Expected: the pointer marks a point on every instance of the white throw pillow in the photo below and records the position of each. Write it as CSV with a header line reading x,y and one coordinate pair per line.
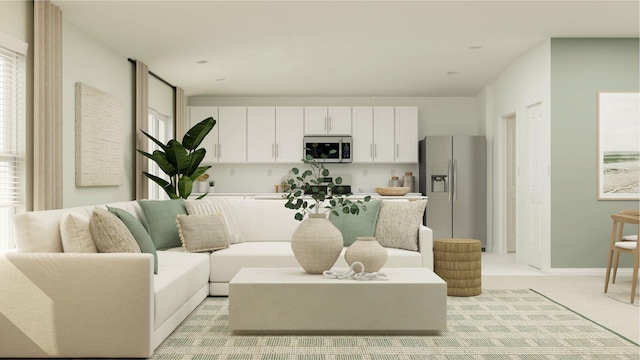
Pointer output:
x,y
398,224
200,233
75,234
218,206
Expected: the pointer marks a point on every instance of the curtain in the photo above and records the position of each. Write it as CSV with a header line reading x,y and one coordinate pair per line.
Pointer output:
x,y
179,113
142,123
47,107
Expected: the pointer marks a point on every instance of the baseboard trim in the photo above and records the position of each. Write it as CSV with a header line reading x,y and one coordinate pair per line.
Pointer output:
x,y
586,271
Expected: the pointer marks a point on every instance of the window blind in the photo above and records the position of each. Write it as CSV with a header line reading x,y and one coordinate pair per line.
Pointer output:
x,y
12,115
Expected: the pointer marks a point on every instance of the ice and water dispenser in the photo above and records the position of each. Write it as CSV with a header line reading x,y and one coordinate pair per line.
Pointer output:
x,y
439,180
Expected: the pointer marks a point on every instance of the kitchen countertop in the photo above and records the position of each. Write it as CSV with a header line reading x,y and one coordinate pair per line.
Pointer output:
x,y
277,196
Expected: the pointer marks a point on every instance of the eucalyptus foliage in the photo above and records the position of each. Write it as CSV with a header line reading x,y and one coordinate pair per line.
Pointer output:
x,y
306,192
181,160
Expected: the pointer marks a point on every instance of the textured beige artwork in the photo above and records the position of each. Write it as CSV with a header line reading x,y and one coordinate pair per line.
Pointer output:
x,y
99,157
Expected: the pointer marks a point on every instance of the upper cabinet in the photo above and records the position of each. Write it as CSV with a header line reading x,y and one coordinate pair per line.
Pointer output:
x,y
210,142
406,131
332,120
274,134
385,134
227,142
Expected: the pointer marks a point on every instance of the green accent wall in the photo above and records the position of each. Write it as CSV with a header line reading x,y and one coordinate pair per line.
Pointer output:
x,y
580,224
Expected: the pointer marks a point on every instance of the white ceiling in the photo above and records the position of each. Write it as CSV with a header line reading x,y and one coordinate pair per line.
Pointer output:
x,y
340,48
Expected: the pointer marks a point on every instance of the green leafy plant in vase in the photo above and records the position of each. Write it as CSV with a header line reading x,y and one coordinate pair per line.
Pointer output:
x,y
313,191
181,160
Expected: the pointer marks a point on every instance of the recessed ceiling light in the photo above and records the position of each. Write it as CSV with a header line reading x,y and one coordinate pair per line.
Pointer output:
x,y
474,47
202,61
452,73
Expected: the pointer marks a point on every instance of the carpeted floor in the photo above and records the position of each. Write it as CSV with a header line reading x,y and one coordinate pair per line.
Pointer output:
x,y
496,325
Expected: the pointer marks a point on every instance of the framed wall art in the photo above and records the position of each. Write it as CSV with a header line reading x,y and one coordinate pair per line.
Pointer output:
x,y
618,145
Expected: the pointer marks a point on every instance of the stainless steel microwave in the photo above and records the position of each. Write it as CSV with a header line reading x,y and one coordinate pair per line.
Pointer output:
x,y
330,149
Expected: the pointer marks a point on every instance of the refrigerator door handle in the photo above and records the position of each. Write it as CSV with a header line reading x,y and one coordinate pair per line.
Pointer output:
x,y
449,175
455,180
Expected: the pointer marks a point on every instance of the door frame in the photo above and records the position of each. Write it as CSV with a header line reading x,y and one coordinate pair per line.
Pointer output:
x,y
511,117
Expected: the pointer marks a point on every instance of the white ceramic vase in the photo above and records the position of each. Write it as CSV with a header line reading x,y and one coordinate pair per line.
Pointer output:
x,y
369,252
316,244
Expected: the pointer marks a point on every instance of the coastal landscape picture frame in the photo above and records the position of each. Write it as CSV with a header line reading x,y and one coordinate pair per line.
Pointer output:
x,y
618,145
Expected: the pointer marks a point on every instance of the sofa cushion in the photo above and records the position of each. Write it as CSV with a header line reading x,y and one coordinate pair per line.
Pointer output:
x,y
110,234
215,206
161,221
139,233
354,225
227,262
180,276
200,233
264,220
398,224
75,234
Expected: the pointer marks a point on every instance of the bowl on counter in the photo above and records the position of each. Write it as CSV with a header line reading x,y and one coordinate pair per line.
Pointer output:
x,y
393,191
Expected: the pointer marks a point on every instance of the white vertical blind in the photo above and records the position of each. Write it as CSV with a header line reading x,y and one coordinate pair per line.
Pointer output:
x,y
12,115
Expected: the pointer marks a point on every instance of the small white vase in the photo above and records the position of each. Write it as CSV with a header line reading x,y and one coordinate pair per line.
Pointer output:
x,y
369,252
316,244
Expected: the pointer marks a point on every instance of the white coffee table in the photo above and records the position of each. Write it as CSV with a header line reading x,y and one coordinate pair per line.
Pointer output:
x,y
288,300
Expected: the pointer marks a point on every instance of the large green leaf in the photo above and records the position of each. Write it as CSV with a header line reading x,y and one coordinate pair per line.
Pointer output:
x,y
196,158
160,158
162,146
199,171
178,156
164,184
197,133
185,186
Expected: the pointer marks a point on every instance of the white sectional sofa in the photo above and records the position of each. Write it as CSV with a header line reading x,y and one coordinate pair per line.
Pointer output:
x,y
83,305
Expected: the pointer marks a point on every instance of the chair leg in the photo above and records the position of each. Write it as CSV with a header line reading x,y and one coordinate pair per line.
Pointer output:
x,y
608,275
615,267
634,279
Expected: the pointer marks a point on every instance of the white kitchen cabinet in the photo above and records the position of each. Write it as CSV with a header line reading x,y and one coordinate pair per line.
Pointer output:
x,y
406,134
261,134
210,142
274,134
232,134
332,120
384,134
289,134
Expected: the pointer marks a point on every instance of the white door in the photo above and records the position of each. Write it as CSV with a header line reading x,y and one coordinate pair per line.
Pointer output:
x,y
362,121
510,180
406,134
210,143
315,120
261,134
289,133
383,134
537,174
232,127
339,120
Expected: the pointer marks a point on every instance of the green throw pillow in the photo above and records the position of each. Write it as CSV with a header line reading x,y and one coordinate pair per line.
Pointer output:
x,y
139,233
161,221
362,225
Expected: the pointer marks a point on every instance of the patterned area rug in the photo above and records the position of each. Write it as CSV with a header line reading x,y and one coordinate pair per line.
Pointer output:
x,y
496,325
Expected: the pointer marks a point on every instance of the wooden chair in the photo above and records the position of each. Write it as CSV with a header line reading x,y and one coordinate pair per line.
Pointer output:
x,y
617,246
632,212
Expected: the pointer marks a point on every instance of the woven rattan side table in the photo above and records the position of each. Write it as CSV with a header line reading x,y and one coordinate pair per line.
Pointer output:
x,y
458,262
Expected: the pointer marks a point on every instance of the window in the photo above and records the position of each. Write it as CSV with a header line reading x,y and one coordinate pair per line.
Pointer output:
x,y
12,119
161,128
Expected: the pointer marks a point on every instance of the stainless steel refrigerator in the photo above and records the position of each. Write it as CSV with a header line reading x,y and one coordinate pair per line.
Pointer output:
x,y
453,177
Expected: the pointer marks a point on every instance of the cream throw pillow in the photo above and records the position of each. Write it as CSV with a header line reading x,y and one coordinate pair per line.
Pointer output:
x,y
398,223
75,234
110,234
210,207
203,232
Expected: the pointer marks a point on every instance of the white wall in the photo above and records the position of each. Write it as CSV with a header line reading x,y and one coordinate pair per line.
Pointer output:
x,y
86,60
436,116
524,83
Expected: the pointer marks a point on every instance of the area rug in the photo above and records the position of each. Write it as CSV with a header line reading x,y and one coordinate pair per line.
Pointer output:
x,y
496,325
